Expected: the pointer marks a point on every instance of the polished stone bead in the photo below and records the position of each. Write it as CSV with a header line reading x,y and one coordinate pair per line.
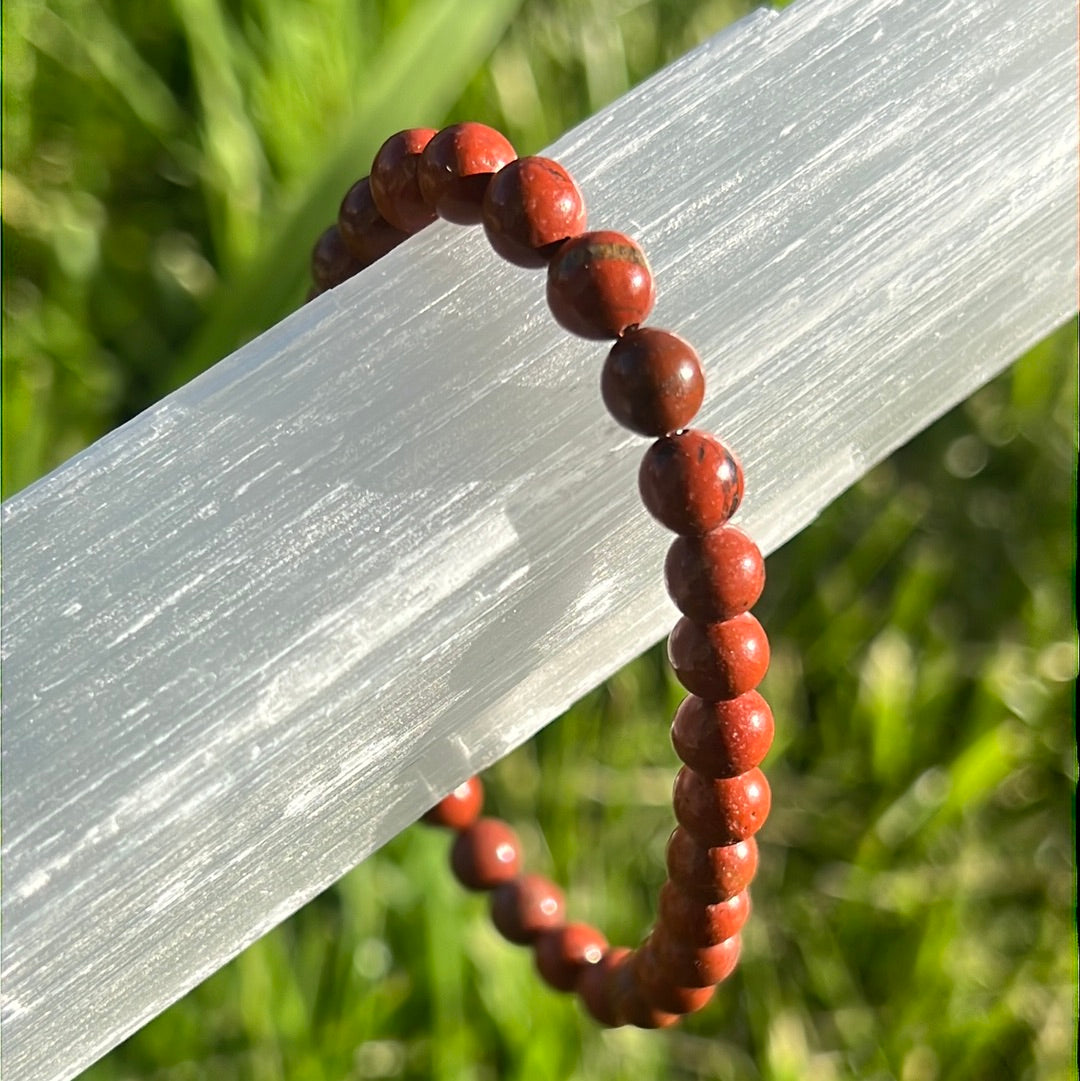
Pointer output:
x,y
457,166
367,234
716,576
697,922
718,661
461,808
721,811
688,965
525,907
594,986
530,207
664,993
394,185
599,284
652,382
714,873
725,738
332,262
562,954
690,482
486,854
631,1006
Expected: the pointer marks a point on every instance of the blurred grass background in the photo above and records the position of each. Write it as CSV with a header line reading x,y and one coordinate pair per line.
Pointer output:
x,y
166,167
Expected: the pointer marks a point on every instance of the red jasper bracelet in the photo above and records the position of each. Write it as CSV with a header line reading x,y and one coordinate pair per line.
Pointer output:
x,y
599,286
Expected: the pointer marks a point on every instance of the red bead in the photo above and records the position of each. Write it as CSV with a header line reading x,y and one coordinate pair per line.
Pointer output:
x,y
594,986
394,185
721,811
659,990
562,954
485,855
461,808
457,166
690,482
716,576
687,965
698,923
599,284
723,739
367,234
652,382
530,207
710,874
332,262
719,660
631,1006
526,907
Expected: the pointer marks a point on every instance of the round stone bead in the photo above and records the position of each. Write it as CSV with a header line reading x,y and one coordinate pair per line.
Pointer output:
x,y
526,907
461,808
530,207
687,965
716,576
394,185
723,739
594,986
631,1006
457,166
710,874
652,382
562,954
332,262
698,923
721,811
690,482
485,855
719,660
660,991
599,284
367,234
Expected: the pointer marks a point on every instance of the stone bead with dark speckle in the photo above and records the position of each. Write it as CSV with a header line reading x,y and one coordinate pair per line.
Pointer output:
x,y
485,855
599,285
526,907
723,739
714,873
690,482
718,661
530,207
716,576
687,965
457,166
660,990
721,811
394,184
562,954
697,922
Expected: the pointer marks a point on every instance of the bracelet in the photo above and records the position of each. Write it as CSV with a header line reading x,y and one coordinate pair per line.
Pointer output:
x,y
599,286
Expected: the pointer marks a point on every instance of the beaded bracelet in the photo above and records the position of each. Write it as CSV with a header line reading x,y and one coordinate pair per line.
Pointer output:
x,y
599,286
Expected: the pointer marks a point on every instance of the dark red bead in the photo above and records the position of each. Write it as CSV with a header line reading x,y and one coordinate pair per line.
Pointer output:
x,y
530,207
690,482
562,954
367,234
332,262
461,808
594,986
721,811
687,965
457,166
525,907
723,739
394,185
661,991
631,1006
485,855
710,874
719,660
716,576
599,284
698,923
652,382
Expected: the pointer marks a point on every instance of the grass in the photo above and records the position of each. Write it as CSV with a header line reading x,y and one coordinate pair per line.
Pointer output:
x,y
165,168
